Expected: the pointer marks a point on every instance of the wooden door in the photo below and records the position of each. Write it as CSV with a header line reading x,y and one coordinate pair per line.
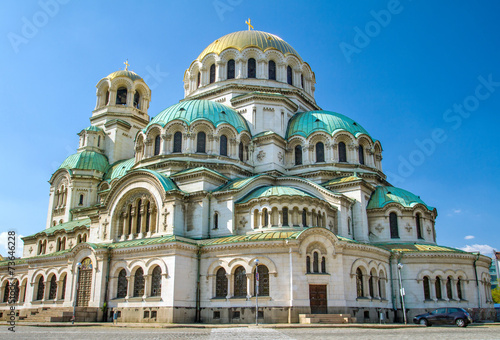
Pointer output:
x,y
318,299
84,283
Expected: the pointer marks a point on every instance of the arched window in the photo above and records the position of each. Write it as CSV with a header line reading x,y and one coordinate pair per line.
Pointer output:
x,y
53,288
223,145
58,244
251,68
212,73
156,282
221,283
63,293
122,284
216,221
266,217
148,216
272,70
342,152
308,264
419,226
157,145
263,280
230,69
80,202
315,262
302,80
449,293
84,238
459,289
304,217
241,151
198,81
320,152
359,283
323,264
201,142
361,154
121,96
137,100
177,142
6,292
240,282
439,296
139,217
41,288
139,283
284,220
289,75
393,222
298,155
107,97
15,286
129,220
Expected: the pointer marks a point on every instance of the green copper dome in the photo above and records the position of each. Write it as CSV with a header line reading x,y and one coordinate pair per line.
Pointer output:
x,y
273,191
190,111
385,195
119,169
305,123
93,128
86,160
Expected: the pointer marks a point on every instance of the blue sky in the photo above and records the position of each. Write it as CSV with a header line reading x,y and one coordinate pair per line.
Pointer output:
x,y
421,77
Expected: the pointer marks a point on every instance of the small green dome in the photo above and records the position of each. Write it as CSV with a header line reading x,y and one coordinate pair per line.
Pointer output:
x,y
270,191
123,73
305,123
119,169
190,111
93,128
86,160
385,195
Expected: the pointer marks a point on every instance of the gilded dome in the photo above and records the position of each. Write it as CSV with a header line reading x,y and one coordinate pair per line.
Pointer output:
x,y
243,39
124,73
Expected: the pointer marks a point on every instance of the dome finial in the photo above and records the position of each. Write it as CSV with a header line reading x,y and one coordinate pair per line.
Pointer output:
x,y
248,22
126,65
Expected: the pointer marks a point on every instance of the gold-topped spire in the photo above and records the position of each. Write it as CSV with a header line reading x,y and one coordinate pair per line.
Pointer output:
x,y
248,22
126,65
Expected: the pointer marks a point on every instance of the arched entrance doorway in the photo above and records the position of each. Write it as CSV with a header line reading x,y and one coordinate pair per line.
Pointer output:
x,y
84,283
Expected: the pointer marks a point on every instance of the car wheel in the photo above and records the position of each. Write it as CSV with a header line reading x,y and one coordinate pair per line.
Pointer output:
x,y
424,322
460,322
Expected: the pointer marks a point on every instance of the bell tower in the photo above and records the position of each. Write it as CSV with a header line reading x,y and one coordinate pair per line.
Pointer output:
x,y
121,111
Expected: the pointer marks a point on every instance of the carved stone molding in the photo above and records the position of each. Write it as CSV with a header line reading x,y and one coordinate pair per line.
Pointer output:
x,y
261,155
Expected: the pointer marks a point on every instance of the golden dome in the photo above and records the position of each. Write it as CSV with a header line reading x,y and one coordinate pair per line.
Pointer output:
x,y
250,38
124,73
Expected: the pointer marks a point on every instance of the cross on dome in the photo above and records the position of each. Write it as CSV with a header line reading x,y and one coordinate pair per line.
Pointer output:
x,y
126,65
248,22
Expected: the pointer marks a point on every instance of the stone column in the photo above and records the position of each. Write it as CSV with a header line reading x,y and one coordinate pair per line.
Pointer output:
x,y
260,219
219,70
281,72
147,285
112,97
204,76
366,286
130,287
376,292
130,97
454,291
432,287
249,285
280,218
229,286
239,68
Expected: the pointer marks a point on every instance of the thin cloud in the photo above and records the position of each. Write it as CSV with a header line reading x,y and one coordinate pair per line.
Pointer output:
x,y
469,237
481,248
4,244
457,211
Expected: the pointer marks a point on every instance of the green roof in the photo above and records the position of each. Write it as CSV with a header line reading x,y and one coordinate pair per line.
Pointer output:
x,y
198,169
150,241
385,195
93,128
238,183
67,227
86,160
119,169
340,180
165,181
269,191
416,247
305,123
190,111
270,236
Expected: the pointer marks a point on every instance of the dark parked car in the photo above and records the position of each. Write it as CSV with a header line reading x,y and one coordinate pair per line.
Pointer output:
x,y
444,316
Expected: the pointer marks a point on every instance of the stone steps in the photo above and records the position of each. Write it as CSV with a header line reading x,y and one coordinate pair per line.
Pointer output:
x,y
326,318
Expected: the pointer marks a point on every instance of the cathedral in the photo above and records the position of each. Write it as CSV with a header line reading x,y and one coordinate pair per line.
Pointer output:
x,y
244,192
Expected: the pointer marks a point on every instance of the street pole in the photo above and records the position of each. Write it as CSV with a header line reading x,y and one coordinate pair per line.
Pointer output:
x,y
402,292
256,292
78,265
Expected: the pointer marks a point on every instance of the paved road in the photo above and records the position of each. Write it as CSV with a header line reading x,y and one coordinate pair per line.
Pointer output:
x,y
89,333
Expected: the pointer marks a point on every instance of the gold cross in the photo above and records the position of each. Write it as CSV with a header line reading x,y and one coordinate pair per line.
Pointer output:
x,y
248,22
126,65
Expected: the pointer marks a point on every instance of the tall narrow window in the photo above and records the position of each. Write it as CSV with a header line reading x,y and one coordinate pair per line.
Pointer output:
x,y
212,73
230,69
139,217
198,79
361,153
98,141
137,100
323,264
121,96
315,262
298,155
241,151
308,264
252,69
263,280
156,282
53,288
393,222
240,282
216,221
6,292
139,283
201,142
342,152
107,97
221,283
223,145
419,226
320,152
41,288
284,220
302,80
272,70
289,75
359,283
266,217
304,217
177,142
439,296
122,284
129,221
148,216
157,145
449,293
63,292
370,285
459,289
